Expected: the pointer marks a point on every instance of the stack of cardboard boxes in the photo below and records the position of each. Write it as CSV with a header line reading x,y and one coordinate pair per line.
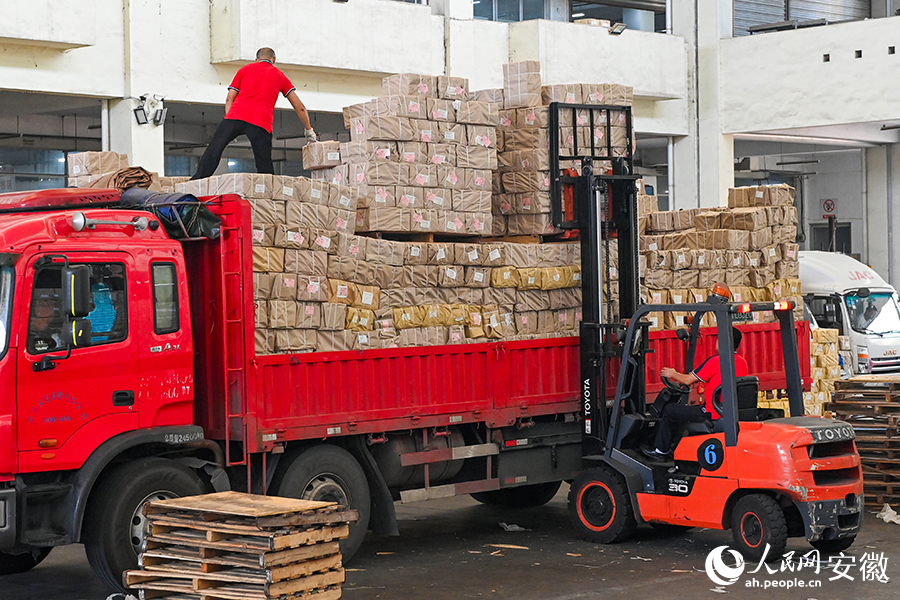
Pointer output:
x,y
749,246
420,157
825,370
87,167
522,182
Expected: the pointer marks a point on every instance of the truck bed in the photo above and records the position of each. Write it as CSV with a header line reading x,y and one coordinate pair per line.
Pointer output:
x,y
278,398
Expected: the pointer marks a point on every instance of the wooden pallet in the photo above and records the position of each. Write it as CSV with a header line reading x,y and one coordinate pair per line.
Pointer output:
x,y
232,546
864,406
869,382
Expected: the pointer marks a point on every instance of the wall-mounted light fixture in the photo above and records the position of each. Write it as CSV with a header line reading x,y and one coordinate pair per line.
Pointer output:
x,y
140,113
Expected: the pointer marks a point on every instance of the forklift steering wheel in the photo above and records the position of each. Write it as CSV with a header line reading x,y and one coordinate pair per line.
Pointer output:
x,y
674,386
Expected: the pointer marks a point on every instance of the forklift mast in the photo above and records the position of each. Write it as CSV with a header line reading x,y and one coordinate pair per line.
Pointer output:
x,y
592,189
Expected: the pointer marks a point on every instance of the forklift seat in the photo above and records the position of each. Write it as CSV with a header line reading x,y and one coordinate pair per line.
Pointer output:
x,y
747,402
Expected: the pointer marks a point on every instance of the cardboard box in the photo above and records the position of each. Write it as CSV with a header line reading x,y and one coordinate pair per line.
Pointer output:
x,y
760,238
382,219
292,340
349,269
319,155
471,201
267,259
440,154
538,224
386,252
378,173
309,262
492,95
264,341
477,113
476,157
409,84
728,239
787,270
353,152
440,110
453,88
262,285
95,163
567,93
533,117
378,127
530,181
411,106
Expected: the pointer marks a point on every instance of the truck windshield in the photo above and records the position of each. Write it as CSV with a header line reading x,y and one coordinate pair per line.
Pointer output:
x,y
878,313
6,289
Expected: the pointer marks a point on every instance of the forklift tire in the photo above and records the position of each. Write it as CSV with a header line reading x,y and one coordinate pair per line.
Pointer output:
x,y
525,496
832,546
114,524
758,520
10,564
600,507
329,473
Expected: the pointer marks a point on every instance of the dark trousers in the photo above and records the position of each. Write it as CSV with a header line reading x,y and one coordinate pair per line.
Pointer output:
x,y
226,132
674,416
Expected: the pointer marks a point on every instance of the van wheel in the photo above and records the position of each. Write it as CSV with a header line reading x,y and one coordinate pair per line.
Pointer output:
x,y
757,520
114,524
10,564
329,473
600,507
525,496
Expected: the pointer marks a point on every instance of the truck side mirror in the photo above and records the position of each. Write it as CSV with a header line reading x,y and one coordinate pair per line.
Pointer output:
x,y
78,333
863,292
77,291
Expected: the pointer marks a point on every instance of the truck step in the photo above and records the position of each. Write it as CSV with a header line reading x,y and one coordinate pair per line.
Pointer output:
x,y
451,489
445,454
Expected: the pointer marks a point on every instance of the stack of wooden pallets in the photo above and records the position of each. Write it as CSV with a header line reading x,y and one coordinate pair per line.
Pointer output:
x,y
871,404
233,546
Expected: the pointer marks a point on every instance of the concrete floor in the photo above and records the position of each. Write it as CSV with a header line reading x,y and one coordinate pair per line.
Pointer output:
x,y
455,548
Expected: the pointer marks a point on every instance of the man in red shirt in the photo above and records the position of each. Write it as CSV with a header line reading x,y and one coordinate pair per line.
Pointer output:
x,y
250,110
709,375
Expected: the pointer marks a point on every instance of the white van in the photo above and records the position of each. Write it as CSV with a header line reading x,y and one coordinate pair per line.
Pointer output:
x,y
844,294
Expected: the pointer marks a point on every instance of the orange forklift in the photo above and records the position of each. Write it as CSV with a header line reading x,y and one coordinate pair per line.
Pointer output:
x,y
764,476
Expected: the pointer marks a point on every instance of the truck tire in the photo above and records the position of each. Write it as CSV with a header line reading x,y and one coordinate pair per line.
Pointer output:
x,y
114,525
330,474
600,506
10,564
525,496
757,520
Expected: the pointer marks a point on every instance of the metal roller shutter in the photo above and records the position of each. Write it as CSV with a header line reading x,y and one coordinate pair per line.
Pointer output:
x,y
748,13
833,10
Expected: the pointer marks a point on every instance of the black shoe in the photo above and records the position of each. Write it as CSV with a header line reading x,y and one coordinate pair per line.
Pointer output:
x,y
654,453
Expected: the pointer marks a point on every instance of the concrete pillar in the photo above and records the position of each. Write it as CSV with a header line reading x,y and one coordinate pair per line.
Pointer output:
x,y
704,159
882,168
142,143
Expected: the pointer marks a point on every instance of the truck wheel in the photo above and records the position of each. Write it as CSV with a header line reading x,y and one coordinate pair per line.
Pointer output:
x,y
525,496
757,520
114,526
329,473
600,507
10,564
832,546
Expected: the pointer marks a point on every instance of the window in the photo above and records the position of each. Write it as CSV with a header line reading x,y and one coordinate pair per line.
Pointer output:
x,y
6,296
508,11
108,316
827,311
165,298
876,313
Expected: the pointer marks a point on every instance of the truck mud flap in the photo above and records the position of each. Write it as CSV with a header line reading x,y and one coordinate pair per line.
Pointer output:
x,y
384,518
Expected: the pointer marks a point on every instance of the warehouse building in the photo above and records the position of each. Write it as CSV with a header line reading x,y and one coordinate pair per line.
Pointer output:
x,y
727,92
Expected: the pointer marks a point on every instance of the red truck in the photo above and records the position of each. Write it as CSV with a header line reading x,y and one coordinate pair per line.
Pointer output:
x,y
149,387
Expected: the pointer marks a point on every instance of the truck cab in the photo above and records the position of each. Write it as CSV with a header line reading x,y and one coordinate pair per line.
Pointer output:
x,y
844,294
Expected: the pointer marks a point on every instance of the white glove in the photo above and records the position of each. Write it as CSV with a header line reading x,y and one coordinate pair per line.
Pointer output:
x,y
311,135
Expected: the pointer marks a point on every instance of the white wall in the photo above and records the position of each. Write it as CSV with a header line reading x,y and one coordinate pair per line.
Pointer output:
x,y
42,23
883,215
779,80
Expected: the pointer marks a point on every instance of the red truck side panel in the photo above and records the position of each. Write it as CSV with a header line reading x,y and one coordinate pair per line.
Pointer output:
x,y
316,395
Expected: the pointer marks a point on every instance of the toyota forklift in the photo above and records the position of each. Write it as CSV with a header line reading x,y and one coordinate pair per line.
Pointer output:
x,y
764,476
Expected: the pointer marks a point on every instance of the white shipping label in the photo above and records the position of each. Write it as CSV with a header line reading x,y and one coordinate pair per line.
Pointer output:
x,y
425,224
556,277
759,193
653,246
506,274
451,225
531,281
701,259
449,135
754,261
77,169
343,291
576,276
367,298
363,339
451,89
570,97
333,156
457,104
415,251
493,321
315,194
364,321
494,255
473,255
440,254
478,277
323,241
736,262
451,273
259,235
260,188
287,191
657,298
344,201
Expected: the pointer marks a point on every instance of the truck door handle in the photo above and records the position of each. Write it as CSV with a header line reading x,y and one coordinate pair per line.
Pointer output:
x,y
123,398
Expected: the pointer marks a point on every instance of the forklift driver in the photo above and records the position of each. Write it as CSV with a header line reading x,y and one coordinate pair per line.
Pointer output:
x,y
709,375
